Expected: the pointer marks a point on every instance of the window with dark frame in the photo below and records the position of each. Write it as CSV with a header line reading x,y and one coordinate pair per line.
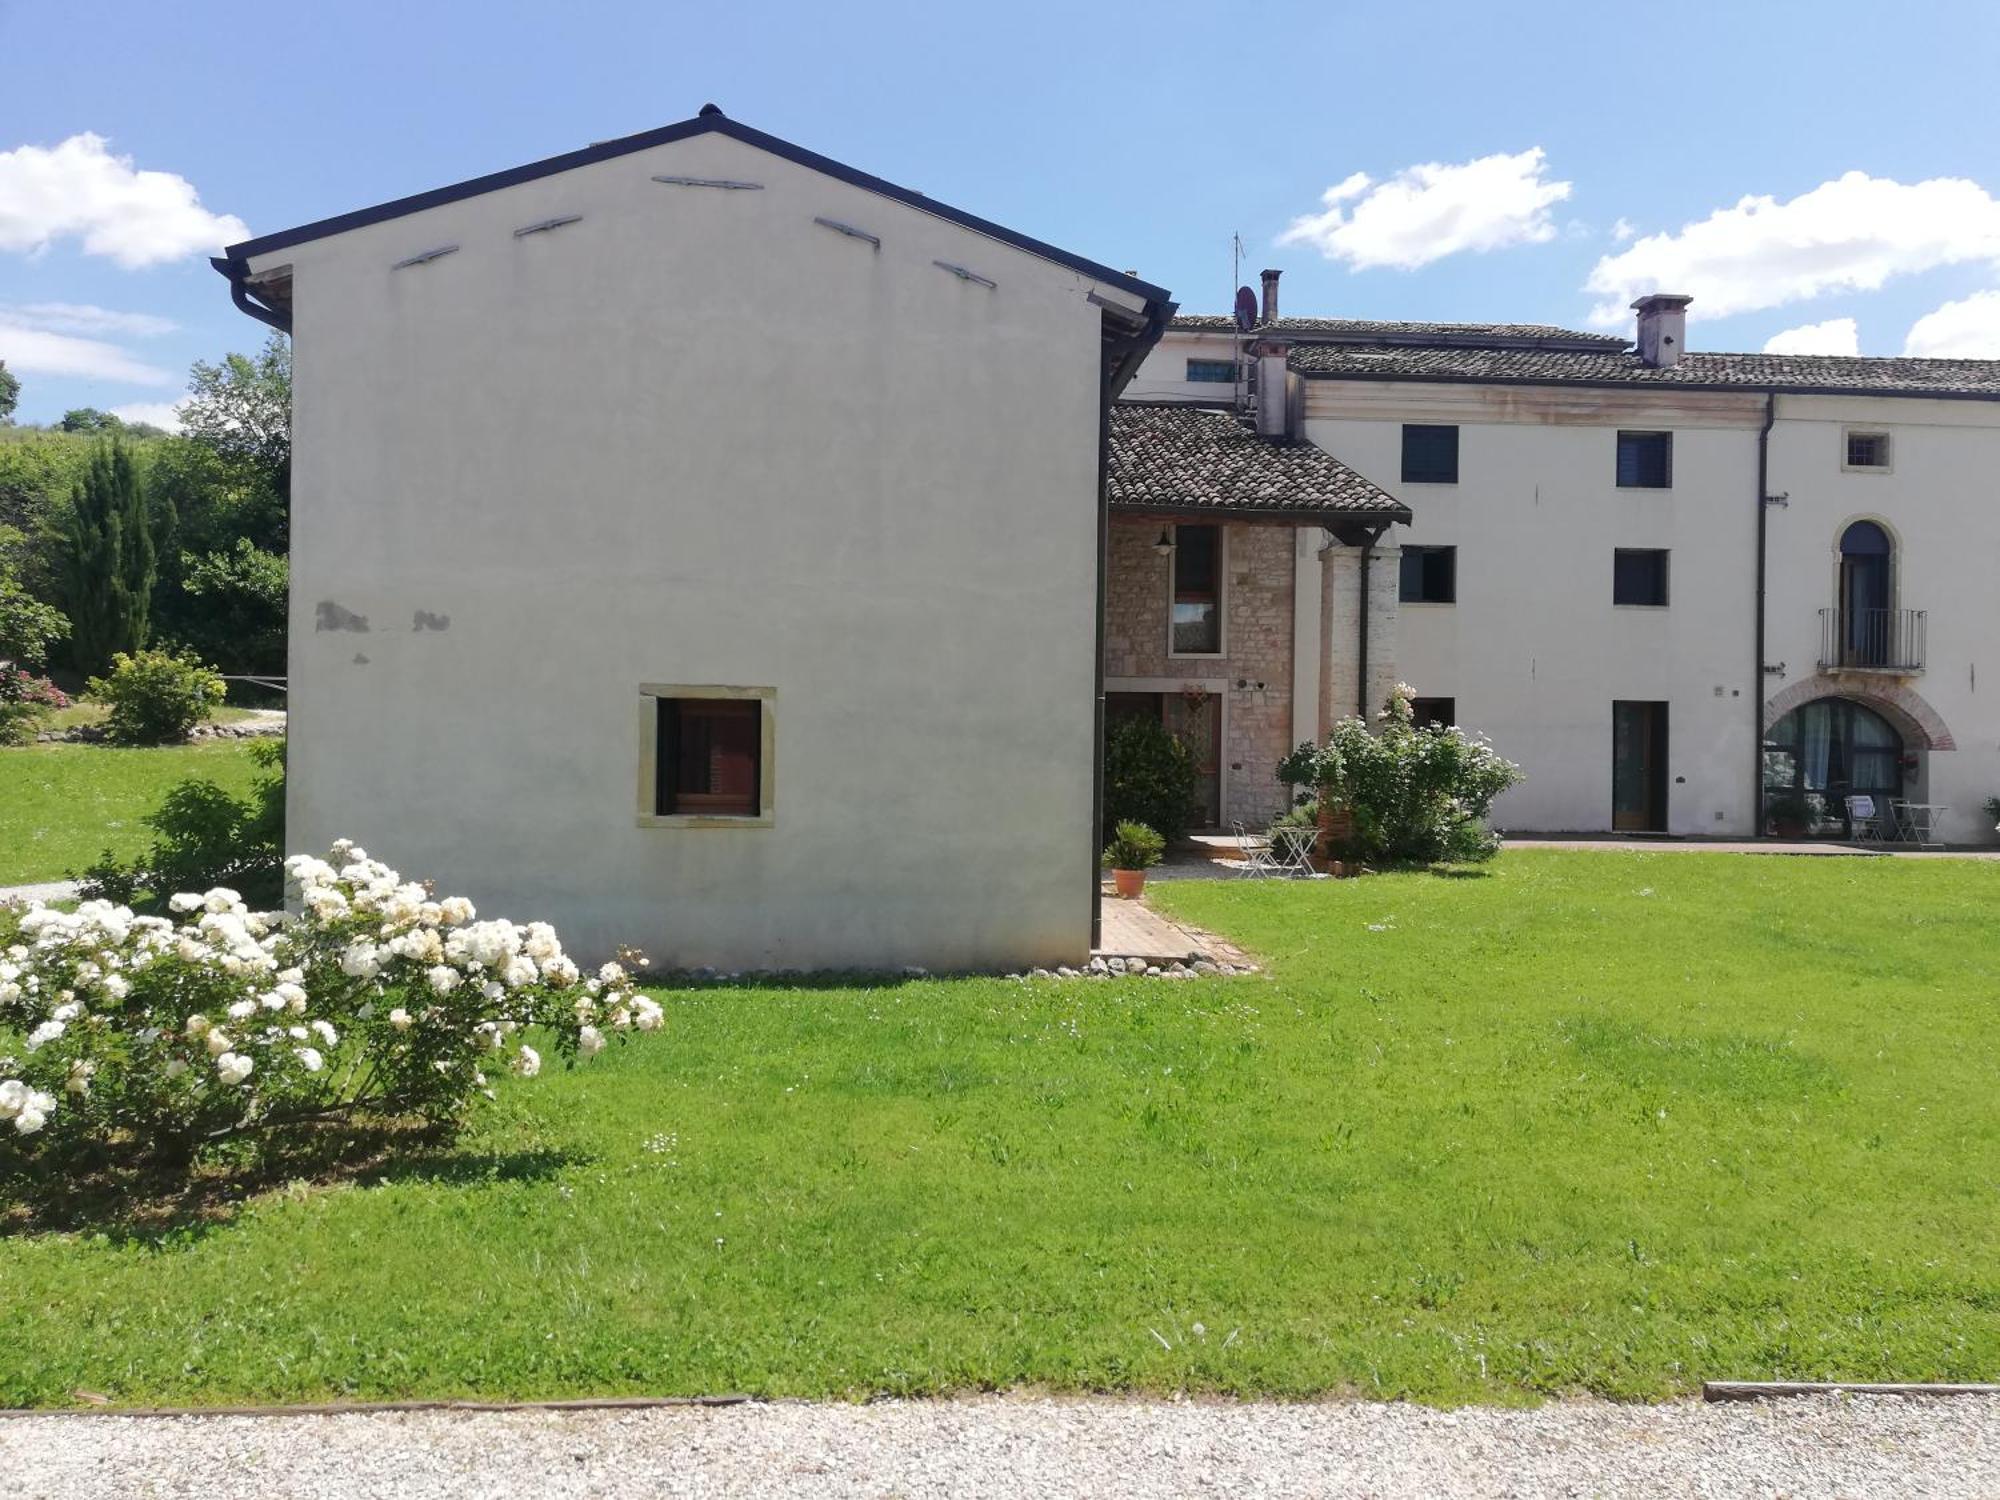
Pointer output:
x,y
1429,575
1197,568
1639,575
1645,460
709,757
1867,450
1430,454
1212,371
1442,711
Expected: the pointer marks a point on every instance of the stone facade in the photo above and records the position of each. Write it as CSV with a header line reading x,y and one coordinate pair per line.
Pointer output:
x,y
1340,663
1253,676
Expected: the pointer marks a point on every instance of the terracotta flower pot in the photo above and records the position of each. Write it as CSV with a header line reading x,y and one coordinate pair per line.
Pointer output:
x,y
1129,883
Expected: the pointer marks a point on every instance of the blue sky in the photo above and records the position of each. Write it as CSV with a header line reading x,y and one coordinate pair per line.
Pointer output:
x,y
1144,136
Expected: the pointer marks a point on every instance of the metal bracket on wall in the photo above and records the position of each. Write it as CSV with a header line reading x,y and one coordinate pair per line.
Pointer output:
x,y
964,275
1782,499
1774,671
849,230
424,257
714,182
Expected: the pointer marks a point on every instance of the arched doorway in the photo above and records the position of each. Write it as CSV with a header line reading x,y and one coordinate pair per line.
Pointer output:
x,y
1866,584
1819,755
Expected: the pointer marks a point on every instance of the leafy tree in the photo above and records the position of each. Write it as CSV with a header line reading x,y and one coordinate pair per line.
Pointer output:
x,y
241,411
109,569
28,627
10,393
89,419
235,606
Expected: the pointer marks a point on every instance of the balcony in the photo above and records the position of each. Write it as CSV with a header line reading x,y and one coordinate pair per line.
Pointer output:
x,y
1871,640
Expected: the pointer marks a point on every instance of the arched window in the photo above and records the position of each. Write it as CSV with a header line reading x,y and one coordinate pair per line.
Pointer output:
x,y
1867,626
1822,753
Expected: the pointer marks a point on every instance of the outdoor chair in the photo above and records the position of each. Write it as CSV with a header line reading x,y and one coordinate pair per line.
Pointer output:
x,y
1870,824
1253,853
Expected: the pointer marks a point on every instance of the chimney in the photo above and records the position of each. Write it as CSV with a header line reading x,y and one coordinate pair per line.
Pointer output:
x,y
1662,329
1271,296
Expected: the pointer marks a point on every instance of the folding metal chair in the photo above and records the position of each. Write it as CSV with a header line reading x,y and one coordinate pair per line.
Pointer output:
x,y
1253,853
1869,824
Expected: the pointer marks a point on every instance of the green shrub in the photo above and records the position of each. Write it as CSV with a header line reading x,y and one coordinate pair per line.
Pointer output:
x,y
26,701
206,838
1133,846
1149,778
1417,794
156,697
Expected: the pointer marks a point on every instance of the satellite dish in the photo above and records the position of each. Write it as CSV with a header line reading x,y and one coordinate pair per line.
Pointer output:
x,y
1246,309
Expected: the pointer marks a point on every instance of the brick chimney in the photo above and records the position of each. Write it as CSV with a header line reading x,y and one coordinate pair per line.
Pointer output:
x,y
1662,329
1271,296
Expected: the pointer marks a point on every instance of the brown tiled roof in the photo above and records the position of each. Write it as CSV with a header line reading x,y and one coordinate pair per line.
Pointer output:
x,y
1373,330
1755,372
1167,457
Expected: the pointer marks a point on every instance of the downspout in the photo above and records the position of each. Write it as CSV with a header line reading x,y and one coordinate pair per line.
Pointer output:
x,y
1367,557
1757,680
240,294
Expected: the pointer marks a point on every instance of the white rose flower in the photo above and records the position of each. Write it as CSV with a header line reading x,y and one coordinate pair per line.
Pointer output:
x,y
68,1011
360,960
242,1009
297,1033
590,1041
400,1019
312,1060
47,1032
529,1063
116,986
325,1032
184,901
443,978
519,971
79,1077
175,1067
28,1121
233,1067
611,973
222,899
197,1024
13,1098
647,1013
218,1041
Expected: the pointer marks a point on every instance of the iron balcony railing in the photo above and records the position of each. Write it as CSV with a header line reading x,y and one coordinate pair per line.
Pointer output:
x,y
1887,640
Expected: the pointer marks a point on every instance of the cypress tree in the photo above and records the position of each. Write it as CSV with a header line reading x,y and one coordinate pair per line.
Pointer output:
x,y
110,569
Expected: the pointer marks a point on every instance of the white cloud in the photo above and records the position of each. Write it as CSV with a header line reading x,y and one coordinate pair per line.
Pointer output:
x,y
82,317
1834,336
36,351
1966,329
1427,212
79,190
164,414
1624,230
1851,234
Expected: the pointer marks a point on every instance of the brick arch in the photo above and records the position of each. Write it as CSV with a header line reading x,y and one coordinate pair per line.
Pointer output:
x,y
1915,720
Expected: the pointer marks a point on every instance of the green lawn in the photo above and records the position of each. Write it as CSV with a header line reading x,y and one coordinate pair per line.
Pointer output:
x,y
1587,1121
63,805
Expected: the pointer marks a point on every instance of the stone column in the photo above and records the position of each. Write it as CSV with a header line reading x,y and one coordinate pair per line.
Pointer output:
x,y
1308,631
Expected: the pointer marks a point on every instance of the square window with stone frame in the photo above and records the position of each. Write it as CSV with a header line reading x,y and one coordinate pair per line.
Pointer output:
x,y
705,755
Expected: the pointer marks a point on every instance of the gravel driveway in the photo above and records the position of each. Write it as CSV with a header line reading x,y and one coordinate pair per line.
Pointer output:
x,y
1827,1446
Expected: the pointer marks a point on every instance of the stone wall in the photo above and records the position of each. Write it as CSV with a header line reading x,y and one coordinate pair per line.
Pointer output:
x,y
1257,642
1340,664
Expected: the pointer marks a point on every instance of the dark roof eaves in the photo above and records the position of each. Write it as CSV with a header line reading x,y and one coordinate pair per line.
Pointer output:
x,y
1745,387
664,135
1292,514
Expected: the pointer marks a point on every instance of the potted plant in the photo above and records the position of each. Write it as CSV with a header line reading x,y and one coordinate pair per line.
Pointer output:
x,y
1134,849
1790,813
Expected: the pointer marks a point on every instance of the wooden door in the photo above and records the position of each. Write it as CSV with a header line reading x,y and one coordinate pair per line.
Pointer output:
x,y
1195,719
1639,766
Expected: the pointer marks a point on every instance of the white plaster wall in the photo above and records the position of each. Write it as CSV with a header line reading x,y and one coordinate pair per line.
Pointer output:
x,y
1534,651
696,438
1162,376
1940,501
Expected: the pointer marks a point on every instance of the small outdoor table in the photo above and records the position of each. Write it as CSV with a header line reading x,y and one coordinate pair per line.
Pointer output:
x,y
1292,847
1919,820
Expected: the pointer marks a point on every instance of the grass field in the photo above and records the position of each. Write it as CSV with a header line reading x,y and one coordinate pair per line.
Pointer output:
x,y
63,805
1582,1122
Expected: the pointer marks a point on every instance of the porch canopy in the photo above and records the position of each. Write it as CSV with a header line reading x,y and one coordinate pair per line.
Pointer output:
x,y
1179,460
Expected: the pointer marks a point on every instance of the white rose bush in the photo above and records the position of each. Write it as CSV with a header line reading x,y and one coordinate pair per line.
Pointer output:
x,y
370,1003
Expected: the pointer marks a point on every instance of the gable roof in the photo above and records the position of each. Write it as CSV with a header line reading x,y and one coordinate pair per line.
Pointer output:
x,y
1169,457
1374,330
711,121
1802,374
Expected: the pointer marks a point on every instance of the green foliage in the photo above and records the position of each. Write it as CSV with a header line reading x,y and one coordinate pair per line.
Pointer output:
x,y
241,411
156,697
10,393
1149,777
1418,794
206,836
108,583
28,626
89,419
235,607
1133,846
26,701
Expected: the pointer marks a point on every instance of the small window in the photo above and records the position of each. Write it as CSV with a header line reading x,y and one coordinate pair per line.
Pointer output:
x,y
1430,454
1212,371
1441,711
1639,575
1645,460
705,753
1430,575
1197,585
1867,450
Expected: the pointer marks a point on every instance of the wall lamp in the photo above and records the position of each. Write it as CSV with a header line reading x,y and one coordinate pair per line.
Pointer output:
x,y
1165,545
